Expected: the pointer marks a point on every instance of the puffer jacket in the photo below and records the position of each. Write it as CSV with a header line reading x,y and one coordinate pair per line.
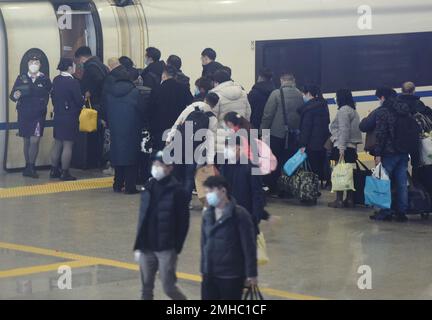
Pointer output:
x,y
345,132
273,117
258,97
232,98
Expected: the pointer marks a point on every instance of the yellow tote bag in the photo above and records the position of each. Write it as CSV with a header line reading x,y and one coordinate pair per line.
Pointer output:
x,y
262,250
88,119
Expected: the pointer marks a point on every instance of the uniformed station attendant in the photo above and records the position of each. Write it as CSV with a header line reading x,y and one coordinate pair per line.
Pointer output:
x,y
31,92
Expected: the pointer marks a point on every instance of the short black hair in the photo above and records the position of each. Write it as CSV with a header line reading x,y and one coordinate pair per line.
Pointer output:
x,y
345,98
65,64
170,71
175,61
153,53
212,99
210,53
218,182
314,90
221,76
266,74
126,62
83,51
204,83
385,92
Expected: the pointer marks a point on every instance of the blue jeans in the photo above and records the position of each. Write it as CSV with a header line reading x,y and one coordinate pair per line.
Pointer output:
x,y
397,167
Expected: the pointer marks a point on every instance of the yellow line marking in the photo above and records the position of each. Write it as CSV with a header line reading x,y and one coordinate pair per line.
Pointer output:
x,y
52,188
44,268
88,260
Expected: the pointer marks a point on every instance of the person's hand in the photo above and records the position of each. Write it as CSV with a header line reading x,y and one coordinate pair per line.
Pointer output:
x,y
377,160
303,150
251,282
137,255
17,94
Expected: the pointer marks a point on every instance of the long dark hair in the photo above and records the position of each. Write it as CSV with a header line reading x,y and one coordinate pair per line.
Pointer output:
x,y
345,98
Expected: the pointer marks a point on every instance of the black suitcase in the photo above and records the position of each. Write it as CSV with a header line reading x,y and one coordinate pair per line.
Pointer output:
x,y
360,173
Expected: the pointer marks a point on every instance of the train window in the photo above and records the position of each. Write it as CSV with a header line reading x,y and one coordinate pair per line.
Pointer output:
x,y
45,68
79,25
357,62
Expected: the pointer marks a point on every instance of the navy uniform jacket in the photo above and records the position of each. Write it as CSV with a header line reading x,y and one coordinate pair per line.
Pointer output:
x,y
32,105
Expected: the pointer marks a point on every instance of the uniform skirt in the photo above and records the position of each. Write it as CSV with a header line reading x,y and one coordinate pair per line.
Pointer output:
x,y
66,127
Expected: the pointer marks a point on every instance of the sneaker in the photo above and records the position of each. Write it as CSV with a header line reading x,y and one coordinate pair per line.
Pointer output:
x,y
30,172
109,171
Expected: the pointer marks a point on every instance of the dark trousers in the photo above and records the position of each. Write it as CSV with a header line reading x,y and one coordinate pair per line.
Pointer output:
x,y
317,161
125,176
282,154
185,173
221,289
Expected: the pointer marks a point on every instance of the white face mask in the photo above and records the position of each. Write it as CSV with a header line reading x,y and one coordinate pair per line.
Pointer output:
x,y
34,68
158,173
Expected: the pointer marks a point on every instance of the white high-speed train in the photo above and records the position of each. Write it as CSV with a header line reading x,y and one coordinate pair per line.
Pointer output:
x,y
333,43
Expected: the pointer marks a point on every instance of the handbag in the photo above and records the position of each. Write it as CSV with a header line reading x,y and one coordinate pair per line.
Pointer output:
x,y
378,189
287,131
88,119
343,177
360,173
305,184
294,163
253,293
263,258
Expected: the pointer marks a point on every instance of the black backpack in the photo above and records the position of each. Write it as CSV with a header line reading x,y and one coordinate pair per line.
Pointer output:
x,y
406,133
200,120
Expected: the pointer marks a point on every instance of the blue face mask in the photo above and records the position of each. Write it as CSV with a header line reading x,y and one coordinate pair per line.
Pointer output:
x,y
197,91
305,99
212,199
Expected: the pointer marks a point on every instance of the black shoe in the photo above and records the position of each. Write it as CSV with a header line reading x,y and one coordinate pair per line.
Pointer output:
x,y
130,192
30,171
117,189
55,173
401,218
379,216
66,176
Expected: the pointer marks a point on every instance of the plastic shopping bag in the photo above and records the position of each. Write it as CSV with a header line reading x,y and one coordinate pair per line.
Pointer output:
x,y
262,250
426,151
380,172
343,177
378,193
293,163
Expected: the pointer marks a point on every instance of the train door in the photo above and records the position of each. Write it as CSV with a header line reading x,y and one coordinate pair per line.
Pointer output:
x,y
3,92
27,25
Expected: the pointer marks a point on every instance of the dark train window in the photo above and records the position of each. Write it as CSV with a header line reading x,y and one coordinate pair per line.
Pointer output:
x,y
45,68
358,62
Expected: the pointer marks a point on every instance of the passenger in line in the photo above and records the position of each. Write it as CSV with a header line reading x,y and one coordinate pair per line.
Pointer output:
x,y
210,66
314,129
68,101
205,117
124,111
346,136
202,88
259,95
228,245
31,93
167,102
283,124
152,74
232,98
176,62
130,67
162,229
386,97
416,105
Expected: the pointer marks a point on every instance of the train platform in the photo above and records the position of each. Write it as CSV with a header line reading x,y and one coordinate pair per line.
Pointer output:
x,y
315,252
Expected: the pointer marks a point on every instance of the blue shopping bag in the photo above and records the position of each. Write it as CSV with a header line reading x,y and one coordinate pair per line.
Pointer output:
x,y
293,163
378,193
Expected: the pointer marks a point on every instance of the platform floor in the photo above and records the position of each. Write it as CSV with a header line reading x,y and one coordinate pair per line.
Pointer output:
x,y
315,252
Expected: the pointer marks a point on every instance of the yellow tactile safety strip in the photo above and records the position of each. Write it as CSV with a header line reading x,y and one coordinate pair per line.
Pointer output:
x,y
51,188
83,261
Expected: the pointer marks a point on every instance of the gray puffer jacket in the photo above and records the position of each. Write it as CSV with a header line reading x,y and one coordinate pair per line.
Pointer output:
x,y
345,132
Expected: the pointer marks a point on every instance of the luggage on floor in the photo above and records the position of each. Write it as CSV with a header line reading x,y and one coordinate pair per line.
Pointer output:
x,y
294,162
419,200
343,177
378,189
305,184
360,173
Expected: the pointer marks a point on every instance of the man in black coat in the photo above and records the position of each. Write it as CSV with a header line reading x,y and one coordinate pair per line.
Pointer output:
x,y
210,66
176,62
228,245
152,74
259,95
124,111
167,102
416,105
162,229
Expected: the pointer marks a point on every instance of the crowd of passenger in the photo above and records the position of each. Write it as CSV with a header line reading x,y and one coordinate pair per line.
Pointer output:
x,y
133,104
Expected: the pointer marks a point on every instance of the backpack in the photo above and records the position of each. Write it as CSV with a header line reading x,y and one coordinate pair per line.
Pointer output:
x,y
406,133
200,120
